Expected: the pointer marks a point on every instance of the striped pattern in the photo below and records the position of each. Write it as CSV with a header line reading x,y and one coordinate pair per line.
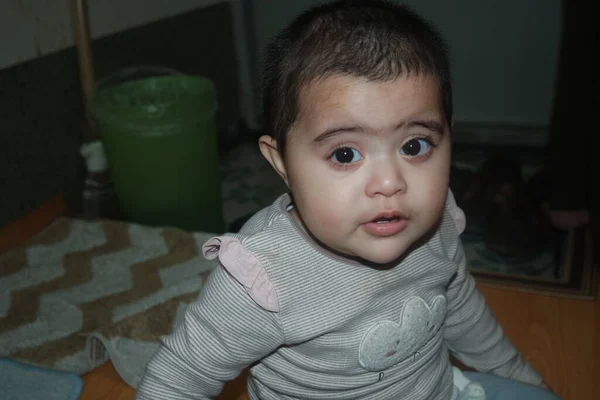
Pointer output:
x,y
311,348
120,282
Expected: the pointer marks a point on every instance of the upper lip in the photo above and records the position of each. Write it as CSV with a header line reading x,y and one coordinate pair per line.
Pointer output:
x,y
389,215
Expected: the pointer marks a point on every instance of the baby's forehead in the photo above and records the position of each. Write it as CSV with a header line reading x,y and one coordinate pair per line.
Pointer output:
x,y
377,105
332,89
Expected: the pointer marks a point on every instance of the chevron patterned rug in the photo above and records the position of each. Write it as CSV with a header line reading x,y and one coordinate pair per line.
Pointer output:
x,y
82,292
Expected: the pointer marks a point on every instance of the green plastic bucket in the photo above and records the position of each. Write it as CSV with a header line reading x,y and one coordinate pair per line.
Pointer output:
x,y
160,139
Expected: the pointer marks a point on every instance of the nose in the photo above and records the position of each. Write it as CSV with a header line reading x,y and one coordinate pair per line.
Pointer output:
x,y
386,180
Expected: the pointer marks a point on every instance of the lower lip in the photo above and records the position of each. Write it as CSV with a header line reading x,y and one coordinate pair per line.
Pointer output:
x,y
386,229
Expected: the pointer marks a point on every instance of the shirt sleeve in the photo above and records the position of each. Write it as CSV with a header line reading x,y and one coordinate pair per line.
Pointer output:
x,y
223,332
473,334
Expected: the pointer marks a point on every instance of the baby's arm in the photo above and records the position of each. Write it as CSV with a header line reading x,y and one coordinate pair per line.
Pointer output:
x,y
473,334
222,332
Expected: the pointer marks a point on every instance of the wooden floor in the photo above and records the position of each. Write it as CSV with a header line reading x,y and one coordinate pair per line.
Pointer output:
x,y
559,336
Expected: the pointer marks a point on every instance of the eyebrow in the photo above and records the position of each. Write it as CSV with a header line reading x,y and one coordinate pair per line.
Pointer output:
x,y
429,124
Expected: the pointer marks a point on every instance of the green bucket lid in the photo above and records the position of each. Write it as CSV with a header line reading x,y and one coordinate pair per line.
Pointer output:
x,y
154,106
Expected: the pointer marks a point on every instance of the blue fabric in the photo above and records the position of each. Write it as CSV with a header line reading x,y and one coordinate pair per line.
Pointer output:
x,y
20,381
497,388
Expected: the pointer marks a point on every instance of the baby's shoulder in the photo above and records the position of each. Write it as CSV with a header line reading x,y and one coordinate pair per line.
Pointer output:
x,y
446,239
253,256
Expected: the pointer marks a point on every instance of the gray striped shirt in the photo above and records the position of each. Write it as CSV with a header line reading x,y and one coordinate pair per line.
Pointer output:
x,y
341,330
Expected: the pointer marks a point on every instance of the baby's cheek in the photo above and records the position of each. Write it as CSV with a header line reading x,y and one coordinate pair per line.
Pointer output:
x,y
325,218
435,194
429,205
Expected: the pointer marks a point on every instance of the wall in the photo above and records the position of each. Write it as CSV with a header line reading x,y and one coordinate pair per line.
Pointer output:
x,y
503,52
41,106
31,28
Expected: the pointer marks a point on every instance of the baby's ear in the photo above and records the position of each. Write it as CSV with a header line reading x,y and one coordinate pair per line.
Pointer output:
x,y
268,148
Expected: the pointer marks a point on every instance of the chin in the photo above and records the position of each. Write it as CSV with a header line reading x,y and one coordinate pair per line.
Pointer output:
x,y
385,257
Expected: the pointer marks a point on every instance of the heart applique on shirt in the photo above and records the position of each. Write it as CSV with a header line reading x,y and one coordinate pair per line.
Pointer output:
x,y
387,342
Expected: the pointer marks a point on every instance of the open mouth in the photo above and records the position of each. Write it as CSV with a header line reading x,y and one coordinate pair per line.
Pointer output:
x,y
386,224
386,220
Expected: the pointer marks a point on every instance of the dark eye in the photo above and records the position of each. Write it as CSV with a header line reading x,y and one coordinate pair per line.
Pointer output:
x,y
416,147
346,155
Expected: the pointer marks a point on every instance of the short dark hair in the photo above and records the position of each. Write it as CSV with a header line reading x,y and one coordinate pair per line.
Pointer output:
x,y
372,39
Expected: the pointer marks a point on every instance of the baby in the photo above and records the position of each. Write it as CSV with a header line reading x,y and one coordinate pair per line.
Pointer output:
x,y
354,284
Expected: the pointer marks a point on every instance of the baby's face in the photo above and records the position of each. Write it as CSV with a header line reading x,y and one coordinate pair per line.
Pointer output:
x,y
368,163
